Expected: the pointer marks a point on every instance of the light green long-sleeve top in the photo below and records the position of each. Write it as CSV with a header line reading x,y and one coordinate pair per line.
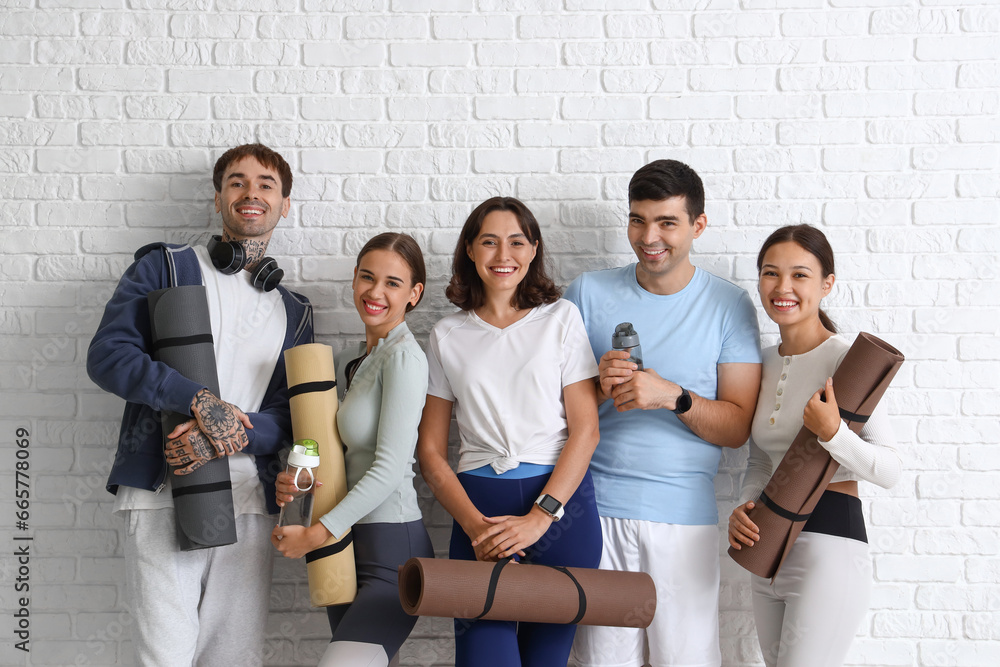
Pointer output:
x,y
377,421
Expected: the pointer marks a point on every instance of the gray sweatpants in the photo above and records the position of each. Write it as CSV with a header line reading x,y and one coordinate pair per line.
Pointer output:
x,y
206,607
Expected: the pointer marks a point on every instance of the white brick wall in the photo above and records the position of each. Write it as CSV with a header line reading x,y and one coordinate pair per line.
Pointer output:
x,y
877,119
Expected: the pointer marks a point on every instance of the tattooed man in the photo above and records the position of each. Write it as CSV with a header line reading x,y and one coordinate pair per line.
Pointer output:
x,y
204,607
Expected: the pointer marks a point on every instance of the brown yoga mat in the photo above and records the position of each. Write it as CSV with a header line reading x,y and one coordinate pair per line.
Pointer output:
x,y
505,591
805,471
312,395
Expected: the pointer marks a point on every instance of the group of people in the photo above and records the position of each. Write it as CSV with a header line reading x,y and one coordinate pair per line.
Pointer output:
x,y
553,423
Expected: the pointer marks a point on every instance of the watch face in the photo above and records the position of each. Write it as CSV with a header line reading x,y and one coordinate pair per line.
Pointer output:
x,y
550,504
683,402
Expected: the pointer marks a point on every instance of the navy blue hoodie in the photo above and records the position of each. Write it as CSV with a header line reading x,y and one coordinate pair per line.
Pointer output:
x,y
119,362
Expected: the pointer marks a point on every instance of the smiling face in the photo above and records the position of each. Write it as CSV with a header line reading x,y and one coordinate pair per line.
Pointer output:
x,y
501,252
250,201
661,234
383,286
791,285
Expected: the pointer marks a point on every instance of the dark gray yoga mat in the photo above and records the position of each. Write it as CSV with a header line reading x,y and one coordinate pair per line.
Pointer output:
x,y
182,339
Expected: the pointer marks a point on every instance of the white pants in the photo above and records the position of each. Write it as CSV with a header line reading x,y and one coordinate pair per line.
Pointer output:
x,y
684,564
204,607
809,617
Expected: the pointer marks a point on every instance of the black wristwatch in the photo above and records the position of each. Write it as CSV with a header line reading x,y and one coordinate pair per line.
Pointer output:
x,y
684,402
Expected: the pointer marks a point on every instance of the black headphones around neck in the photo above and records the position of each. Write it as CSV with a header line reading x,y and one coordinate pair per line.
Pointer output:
x,y
229,258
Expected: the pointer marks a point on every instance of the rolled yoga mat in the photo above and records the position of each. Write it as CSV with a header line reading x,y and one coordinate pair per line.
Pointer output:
x,y
806,469
182,339
527,593
312,394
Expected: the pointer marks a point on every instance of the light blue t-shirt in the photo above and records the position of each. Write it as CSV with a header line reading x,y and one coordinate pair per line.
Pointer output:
x,y
649,465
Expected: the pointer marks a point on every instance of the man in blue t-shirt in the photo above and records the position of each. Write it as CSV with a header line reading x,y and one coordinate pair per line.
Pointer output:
x,y
663,426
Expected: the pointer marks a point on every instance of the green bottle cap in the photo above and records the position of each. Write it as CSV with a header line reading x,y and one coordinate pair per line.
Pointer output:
x,y
311,447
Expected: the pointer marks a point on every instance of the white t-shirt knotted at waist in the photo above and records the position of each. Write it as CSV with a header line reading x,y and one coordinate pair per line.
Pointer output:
x,y
507,384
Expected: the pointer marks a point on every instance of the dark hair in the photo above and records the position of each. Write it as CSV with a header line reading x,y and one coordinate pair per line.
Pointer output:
x,y
262,154
812,241
406,247
663,179
466,287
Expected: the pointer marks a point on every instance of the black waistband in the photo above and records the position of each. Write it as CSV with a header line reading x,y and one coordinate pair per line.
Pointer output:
x,y
840,515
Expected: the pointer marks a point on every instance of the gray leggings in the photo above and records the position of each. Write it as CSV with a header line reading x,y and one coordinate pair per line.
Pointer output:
x,y
375,616
808,617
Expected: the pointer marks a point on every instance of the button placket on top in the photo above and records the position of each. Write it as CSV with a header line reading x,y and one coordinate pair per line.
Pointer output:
x,y
779,390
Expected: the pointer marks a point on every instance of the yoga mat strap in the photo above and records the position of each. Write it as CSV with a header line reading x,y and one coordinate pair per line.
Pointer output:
x,y
781,511
491,589
579,590
847,415
310,387
335,548
201,488
181,341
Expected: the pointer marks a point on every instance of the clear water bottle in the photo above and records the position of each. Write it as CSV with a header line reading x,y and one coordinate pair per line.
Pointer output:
x,y
302,463
625,338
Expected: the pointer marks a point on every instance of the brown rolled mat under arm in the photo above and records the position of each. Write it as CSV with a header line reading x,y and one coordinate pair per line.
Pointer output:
x,y
806,469
312,396
525,592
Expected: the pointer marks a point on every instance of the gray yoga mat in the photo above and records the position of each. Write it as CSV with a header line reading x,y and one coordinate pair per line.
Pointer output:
x,y
182,339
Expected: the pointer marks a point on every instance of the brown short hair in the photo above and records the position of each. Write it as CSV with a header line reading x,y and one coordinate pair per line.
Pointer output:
x,y
466,287
408,249
261,153
664,179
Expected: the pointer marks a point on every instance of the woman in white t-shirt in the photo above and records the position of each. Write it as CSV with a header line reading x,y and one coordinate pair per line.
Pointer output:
x,y
809,614
517,367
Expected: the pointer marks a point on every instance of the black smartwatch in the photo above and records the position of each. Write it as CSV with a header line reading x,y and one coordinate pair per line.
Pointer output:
x,y
550,506
683,402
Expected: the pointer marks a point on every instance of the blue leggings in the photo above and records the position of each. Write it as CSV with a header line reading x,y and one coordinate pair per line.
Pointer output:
x,y
574,541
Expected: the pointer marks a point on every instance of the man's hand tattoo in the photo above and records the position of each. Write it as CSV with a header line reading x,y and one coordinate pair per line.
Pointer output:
x,y
220,422
193,454
201,448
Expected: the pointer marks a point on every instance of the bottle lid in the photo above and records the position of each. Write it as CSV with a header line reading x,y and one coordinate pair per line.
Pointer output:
x,y
304,454
624,336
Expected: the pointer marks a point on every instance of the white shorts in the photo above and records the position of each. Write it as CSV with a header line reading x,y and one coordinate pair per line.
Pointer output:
x,y
684,564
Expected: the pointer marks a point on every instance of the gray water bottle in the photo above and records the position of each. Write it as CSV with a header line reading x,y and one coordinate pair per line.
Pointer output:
x,y
302,463
625,338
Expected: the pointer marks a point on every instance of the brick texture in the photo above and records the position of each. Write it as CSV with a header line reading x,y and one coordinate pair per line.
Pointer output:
x,y
875,119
